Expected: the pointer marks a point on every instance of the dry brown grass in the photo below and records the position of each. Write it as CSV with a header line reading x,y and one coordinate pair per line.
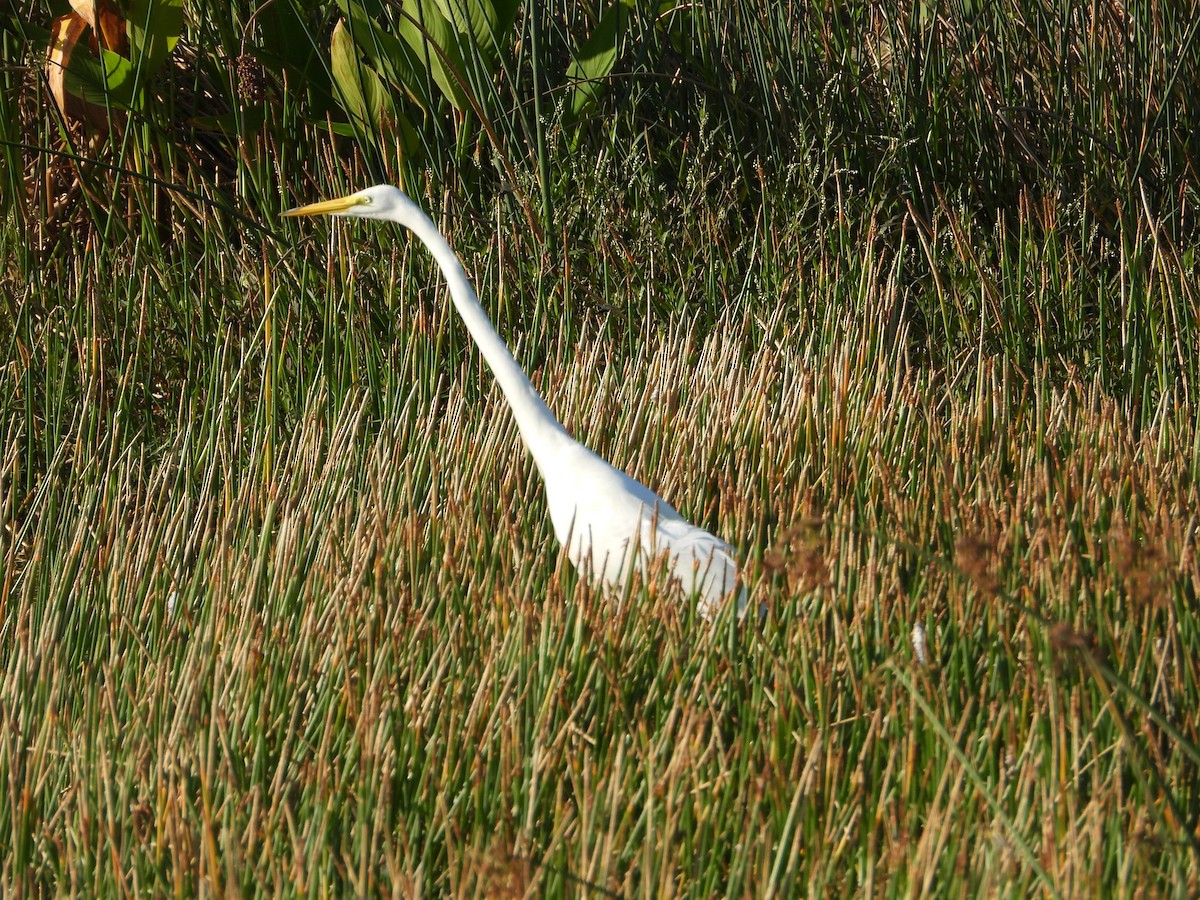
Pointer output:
x,y
378,670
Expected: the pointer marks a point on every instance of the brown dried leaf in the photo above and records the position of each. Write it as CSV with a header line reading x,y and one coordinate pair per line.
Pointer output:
x,y
111,30
65,32
86,10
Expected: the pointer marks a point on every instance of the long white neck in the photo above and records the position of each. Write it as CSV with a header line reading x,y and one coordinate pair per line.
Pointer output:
x,y
540,430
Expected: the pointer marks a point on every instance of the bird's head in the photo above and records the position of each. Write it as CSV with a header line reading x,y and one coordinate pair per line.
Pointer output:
x,y
379,202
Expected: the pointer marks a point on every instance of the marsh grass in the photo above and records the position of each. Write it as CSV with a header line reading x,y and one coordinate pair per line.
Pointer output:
x,y
280,606
358,662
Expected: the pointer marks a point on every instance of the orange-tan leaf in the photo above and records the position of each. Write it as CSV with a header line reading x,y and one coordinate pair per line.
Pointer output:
x,y
65,32
106,22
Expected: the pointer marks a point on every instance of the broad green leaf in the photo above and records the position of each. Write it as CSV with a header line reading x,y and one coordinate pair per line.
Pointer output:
x,y
421,17
153,28
487,21
410,141
595,60
363,94
341,129
108,80
358,87
395,61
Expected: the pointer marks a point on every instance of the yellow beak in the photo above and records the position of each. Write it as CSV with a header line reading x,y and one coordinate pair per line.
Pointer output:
x,y
326,207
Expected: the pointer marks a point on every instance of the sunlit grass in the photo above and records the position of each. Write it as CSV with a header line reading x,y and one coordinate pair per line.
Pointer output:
x,y
358,662
281,609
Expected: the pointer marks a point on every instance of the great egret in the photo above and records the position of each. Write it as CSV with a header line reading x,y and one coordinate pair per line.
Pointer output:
x,y
597,511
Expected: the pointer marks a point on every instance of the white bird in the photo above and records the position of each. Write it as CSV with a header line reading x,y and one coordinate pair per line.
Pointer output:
x,y
610,523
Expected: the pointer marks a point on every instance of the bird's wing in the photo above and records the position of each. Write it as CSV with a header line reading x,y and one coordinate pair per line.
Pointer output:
x,y
604,511
599,510
702,563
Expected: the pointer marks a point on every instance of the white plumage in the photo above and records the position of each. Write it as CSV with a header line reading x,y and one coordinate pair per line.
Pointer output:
x,y
610,523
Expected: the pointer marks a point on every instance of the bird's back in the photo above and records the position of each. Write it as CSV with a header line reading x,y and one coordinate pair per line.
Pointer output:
x,y
598,512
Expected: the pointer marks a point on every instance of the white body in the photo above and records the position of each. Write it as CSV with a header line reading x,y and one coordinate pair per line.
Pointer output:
x,y
610,523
